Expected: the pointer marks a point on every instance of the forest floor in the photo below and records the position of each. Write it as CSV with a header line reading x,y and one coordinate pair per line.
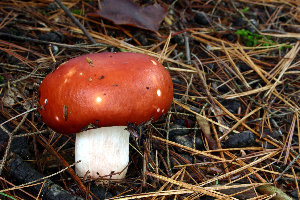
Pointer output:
x,y
232,131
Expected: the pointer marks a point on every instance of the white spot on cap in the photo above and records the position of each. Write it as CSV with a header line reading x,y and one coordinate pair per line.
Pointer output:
x,y
153,61
158,109
66,80
158,93
46,101
80,73
98,99
57,118
162,110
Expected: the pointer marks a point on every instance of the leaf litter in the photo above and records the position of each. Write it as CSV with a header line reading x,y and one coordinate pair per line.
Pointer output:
x,y
251,145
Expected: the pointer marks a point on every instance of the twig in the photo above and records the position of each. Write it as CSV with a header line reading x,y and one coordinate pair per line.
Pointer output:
x,y
249,22
18,116
23,78
76,47
287,168
191,187
53,58
23,172
10,140
75,20
167,146
187,49
33,133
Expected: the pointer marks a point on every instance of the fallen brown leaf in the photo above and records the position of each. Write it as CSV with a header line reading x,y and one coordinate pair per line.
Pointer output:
x,y
125,12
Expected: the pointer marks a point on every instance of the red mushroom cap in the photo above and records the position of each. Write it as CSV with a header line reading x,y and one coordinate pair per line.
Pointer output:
x,y
104,89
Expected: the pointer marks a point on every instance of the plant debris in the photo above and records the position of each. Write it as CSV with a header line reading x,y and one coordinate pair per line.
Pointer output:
x,y
232,132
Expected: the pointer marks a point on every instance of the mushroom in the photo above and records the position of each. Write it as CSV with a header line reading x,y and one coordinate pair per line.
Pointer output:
x,y
96,96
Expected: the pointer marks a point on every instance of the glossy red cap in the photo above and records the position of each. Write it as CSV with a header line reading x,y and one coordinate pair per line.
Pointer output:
x,y
104,89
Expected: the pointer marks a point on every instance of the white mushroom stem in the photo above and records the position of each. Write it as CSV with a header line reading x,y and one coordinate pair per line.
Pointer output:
x,y
102,150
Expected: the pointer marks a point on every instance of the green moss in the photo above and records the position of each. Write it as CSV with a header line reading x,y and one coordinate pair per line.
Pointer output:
x,y
78,12
253,39
1,78
245,9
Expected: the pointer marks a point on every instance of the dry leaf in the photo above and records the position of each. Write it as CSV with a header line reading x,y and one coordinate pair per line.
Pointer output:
x,y
207,133
125,12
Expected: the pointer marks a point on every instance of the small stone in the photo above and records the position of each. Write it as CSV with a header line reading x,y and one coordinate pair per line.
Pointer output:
x,y
177,39
231,105
143,39
52,37
187,141
243,67
239,21
202,19
230,37
243,139
178,130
